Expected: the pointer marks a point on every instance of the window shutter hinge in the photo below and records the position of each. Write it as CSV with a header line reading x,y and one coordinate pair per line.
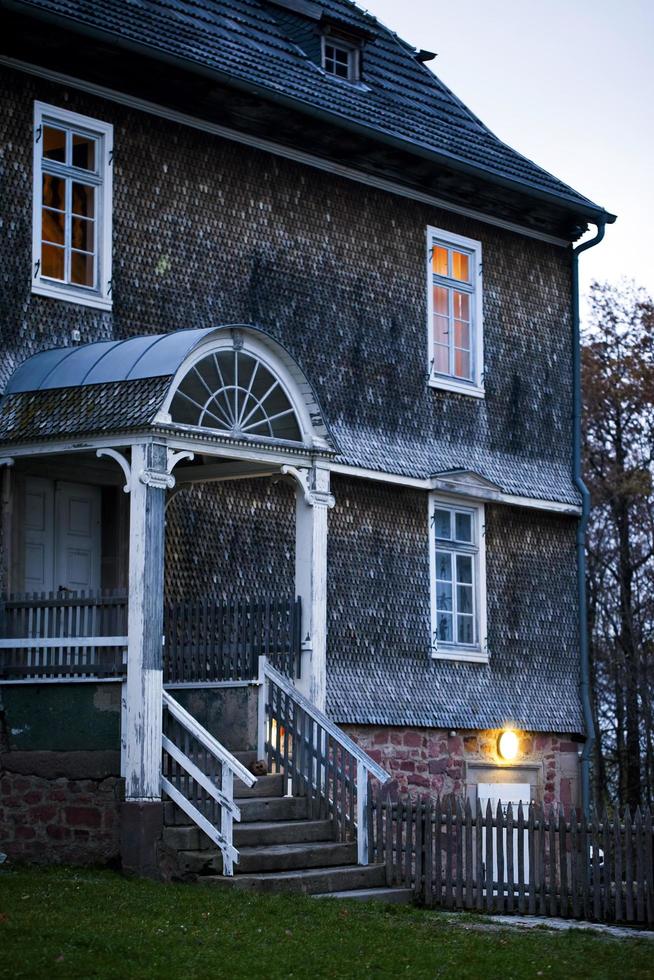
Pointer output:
x,y
109,286
37,266
110,158
38,134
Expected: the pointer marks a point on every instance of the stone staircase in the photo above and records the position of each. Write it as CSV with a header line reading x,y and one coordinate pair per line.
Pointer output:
x,y
280,848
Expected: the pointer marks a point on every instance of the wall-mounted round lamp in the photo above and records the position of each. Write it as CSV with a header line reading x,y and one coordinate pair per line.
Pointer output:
x,y
507,745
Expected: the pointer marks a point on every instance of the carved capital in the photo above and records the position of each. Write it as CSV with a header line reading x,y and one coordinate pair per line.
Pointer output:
x,y
157,479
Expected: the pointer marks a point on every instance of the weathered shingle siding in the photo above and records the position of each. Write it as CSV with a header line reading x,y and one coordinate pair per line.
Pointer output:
x,y
231,541
209,232
379,668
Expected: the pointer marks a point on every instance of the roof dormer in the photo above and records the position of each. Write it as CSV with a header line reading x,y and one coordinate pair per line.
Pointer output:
x,y
333,44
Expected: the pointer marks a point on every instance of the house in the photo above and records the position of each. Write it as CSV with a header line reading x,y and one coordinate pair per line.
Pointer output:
x,y
289,439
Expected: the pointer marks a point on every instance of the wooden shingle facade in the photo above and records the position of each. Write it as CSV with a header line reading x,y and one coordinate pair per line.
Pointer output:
x,y
289,370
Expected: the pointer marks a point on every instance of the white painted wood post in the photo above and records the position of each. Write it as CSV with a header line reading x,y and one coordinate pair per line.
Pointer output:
x,y
144,687
261,711
313,500
362,813
227,820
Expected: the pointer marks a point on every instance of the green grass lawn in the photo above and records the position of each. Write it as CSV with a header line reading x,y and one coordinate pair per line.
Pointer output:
x,y
69,923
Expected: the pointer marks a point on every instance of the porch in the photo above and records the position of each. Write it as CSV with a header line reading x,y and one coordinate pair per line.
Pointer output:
x,y
86,518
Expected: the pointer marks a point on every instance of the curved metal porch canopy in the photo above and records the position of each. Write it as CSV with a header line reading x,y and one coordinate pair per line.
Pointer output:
x,y
233,379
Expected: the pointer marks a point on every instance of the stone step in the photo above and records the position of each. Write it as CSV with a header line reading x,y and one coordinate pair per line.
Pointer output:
x,y
282,832
198,863
253,810
308,882
273,808
270,785
290,857
391,896
188,837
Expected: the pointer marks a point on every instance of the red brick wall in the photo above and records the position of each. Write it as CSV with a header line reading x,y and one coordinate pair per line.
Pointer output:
x,y
56,807
431,761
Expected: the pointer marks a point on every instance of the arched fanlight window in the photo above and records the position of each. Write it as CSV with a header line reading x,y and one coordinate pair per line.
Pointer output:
x,y
234,392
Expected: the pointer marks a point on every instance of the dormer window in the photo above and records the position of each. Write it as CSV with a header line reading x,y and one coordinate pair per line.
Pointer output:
x,y
340,59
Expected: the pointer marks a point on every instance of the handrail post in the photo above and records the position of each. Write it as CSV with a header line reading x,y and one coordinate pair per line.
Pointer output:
x,y
261,710
362,813
227,820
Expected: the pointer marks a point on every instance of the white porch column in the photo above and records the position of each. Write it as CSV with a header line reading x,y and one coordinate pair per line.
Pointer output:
x,y
313,500
143,708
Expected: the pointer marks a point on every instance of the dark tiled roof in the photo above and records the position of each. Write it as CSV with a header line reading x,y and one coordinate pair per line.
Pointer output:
x,y
249,42
116,406
519,475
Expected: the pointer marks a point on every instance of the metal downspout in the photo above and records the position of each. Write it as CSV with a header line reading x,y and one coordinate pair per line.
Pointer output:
x,y
584,685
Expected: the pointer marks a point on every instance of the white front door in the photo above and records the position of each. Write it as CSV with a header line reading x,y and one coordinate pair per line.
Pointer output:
x,y
62,536
38,522
505,793
77,537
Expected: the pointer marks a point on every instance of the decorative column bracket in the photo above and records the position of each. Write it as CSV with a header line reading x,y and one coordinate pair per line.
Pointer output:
x,y
305,479
162,480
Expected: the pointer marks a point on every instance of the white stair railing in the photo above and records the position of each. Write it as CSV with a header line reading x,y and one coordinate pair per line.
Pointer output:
x,y
318,759
198,775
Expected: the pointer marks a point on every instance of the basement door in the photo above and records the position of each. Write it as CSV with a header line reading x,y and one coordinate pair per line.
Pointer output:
x,y
506,793
62,536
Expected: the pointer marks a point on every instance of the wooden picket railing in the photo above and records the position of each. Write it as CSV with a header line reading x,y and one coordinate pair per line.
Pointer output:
x,y
319,761
197,773
63,634
518,860
67,635
208,641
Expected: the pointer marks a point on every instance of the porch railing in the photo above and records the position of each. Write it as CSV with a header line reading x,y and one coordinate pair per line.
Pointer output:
x,y
63,634
206,641
197,773
68,635
317,758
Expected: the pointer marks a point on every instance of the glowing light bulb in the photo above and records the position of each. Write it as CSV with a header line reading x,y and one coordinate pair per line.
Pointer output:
x,y
507,745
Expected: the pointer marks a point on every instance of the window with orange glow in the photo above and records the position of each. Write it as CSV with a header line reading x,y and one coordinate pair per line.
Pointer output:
x,y
455,305
72,209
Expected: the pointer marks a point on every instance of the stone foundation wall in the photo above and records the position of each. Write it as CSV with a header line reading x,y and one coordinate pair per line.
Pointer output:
x,y
434,762
60,807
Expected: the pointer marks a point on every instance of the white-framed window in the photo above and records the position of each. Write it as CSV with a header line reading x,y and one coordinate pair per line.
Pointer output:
x,y
454,301
457,561
71,242
340,59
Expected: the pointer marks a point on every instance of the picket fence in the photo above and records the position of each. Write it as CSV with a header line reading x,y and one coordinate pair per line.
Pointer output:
x,y
527,860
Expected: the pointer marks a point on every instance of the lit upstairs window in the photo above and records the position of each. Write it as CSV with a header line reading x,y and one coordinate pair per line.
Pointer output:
x,y
455,313
340,59
72,207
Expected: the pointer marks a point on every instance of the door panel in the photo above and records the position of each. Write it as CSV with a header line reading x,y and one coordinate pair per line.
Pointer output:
x,y
77,564
505,793
38,521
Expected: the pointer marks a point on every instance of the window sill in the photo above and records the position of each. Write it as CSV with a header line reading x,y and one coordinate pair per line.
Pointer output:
x,y
71,296
460,387
463,656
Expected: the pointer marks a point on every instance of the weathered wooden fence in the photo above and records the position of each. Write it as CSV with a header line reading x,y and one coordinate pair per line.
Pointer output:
x,y
518,860
66,634
208,641
61,634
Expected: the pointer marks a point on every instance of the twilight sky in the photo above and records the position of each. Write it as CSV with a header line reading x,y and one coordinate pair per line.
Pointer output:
x,y
568,83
